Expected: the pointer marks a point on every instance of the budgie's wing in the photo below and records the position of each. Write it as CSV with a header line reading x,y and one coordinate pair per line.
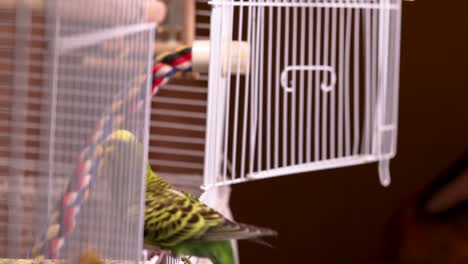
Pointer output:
x,y
229,229
173,217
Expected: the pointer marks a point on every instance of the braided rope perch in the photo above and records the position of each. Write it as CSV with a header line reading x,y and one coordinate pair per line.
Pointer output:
x,y
63,219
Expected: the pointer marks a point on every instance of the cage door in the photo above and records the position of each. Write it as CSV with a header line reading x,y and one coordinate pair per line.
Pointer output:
x,y
299,86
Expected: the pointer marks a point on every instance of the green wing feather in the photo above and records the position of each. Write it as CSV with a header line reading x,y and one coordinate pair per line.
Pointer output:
x,y
173,217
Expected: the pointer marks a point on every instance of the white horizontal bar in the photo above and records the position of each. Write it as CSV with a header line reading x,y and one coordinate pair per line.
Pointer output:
x,y
314,166
224,183
67,44
307,4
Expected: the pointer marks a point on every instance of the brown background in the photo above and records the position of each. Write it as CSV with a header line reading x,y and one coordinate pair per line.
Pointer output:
x,y
339,216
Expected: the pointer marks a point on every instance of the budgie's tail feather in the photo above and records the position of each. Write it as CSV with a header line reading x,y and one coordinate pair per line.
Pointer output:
x,y
260,241
231,230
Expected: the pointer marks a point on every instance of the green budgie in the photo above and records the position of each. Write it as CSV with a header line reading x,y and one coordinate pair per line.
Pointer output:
x,y
178,222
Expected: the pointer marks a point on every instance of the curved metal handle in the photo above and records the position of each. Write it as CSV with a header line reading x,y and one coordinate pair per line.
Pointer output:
x,y
323,86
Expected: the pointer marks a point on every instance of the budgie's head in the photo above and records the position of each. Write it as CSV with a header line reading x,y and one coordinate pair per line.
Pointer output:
x,y
123,156
122,135
152,179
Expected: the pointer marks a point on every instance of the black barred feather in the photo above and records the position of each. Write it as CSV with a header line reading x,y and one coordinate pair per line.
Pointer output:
x,y
173,217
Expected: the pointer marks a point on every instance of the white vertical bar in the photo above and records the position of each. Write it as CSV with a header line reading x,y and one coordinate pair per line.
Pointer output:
x,y
128,184
225,33
127,157
254,90
333,91
396,73
285,95
260,103
294,93
368,73
246,95
382,96
53,105
212,111
347,109
112,169
382,92
377,67
277,87
227,105
218,35
236,103
317,85
301,81
375,79
269,88
310,88
325,95
342,83
356,85
146,138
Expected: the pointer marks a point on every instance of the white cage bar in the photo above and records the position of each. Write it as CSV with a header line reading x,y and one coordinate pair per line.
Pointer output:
x,y
62,65
320,92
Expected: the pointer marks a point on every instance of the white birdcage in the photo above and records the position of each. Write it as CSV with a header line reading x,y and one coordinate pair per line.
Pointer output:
x,y
301,85
65,67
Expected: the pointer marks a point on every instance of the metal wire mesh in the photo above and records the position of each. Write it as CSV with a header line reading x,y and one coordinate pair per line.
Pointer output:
x,y
62,65
320,89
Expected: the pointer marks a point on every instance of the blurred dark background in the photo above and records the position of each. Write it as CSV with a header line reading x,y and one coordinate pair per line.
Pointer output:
x,y
342,215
